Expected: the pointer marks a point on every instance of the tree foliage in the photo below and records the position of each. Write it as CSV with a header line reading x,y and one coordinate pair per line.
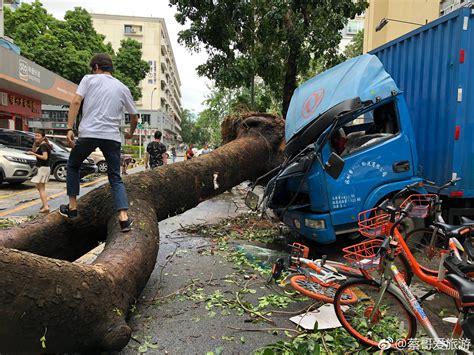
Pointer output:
x,y
355,48
274,40
205,128
66,46
130,68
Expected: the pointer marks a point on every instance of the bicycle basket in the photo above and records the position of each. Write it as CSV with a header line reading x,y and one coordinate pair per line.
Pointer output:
x,y
421,205
365,255
372,223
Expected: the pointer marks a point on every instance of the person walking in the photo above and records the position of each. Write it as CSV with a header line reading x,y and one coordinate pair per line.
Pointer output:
x,y
156,155
189,153
173,153
42,151
105,99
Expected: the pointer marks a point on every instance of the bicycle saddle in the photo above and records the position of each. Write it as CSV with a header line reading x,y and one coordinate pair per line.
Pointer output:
x,y
453,230
463,286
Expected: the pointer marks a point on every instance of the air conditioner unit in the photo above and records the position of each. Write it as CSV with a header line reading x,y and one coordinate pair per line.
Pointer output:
x,y
3,99
132,30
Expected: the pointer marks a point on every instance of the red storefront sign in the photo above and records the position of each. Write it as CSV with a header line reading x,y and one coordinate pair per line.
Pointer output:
x,y
19,104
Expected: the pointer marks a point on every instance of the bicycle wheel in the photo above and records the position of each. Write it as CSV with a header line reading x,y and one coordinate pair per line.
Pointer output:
x,y
427,256
391,325
312,287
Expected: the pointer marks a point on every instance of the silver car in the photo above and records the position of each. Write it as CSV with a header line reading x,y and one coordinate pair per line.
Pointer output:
x,y
15,166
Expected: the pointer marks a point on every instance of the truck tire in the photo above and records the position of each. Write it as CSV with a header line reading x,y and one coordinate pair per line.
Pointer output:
x,y
60,172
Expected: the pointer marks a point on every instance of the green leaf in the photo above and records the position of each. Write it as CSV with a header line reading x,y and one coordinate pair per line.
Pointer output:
x,y
143,348
43,342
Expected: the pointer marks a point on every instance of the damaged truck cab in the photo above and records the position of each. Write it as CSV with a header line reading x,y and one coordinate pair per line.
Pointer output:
x,y
356,112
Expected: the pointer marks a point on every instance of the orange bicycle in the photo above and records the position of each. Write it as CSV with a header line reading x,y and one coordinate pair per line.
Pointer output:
x,y
385,315
320,278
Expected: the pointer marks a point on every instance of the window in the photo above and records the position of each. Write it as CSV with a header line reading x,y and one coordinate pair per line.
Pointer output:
x,y
8,139
354,26
145,118
127,118
26,141
369,128
132,29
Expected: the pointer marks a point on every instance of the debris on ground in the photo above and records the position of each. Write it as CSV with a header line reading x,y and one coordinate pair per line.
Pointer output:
x,y
213,284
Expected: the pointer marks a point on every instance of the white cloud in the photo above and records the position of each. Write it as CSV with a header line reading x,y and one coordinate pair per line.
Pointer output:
x,y
193,87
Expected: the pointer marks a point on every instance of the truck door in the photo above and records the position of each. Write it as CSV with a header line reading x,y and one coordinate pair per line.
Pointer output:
x,y
376,151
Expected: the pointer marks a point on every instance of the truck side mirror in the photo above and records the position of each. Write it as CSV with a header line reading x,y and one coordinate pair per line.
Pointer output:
x,y
251,200
334,165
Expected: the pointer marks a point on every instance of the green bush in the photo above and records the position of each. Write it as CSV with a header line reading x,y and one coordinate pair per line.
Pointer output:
x,y
132,149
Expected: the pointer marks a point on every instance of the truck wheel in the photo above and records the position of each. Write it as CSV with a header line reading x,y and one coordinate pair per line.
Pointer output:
x,y
102,167
60,172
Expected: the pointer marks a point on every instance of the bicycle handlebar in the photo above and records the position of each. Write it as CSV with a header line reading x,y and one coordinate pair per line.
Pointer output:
x,y
451,182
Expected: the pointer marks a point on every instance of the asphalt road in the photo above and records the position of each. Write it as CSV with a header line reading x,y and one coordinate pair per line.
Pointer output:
x,y
23,200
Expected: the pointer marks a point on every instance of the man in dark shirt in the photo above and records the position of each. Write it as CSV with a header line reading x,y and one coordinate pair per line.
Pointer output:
x,y
155,155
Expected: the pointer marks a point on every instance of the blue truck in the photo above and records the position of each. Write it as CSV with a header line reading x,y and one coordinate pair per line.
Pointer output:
x,y
363,130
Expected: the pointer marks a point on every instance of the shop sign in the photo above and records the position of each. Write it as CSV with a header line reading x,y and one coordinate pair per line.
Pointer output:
x,y
20,104
28,73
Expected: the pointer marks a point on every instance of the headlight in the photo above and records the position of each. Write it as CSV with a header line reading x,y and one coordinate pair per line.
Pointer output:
x,y
16,159
315,223
88,161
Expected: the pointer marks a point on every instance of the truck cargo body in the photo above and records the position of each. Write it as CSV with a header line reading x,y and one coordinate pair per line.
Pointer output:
x,y
434,68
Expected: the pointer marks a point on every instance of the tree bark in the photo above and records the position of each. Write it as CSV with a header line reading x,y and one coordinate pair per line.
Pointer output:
x,y
291,73
84,307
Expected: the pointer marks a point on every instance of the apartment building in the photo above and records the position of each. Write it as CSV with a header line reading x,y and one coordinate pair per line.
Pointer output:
x,y
160,104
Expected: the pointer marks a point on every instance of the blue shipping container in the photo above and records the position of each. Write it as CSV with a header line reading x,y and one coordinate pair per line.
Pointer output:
x,y
434,67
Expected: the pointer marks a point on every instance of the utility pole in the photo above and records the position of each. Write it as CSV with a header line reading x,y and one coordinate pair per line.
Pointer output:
x,y
140,128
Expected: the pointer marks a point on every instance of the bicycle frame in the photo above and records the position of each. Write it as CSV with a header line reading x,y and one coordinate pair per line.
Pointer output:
x,y
391,273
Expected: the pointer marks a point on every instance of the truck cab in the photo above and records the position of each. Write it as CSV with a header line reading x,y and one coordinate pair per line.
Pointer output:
x,y
354,112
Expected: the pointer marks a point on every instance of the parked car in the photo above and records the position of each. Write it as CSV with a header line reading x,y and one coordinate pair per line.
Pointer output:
x,y
15,166
24,141
97,156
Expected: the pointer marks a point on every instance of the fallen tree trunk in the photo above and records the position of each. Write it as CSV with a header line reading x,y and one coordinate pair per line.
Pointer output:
x,y
78,307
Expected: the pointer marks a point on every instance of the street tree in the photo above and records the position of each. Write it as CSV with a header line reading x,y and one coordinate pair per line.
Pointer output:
x,y
274,40
190,131
222,102
130,68
355,48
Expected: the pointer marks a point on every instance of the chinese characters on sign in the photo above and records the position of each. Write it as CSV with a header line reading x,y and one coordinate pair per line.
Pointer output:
x,y
23,102
365,165
343,201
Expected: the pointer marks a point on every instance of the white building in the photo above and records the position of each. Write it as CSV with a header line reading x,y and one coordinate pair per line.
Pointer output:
x,y
160,104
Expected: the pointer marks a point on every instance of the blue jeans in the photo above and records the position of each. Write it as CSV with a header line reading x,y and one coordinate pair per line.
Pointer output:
x,y
111,150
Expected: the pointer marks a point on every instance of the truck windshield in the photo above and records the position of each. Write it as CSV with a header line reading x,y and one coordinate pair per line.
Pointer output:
x,y
366,129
